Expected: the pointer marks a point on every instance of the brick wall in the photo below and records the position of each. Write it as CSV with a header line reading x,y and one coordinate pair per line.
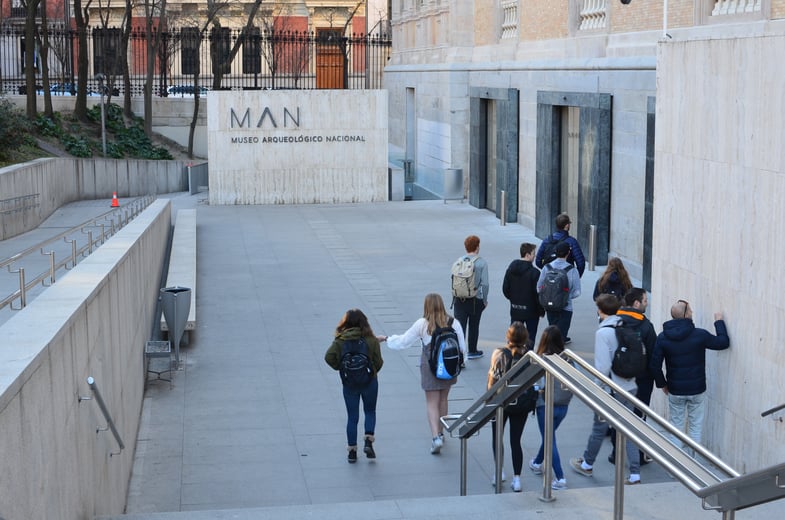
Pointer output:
x,y
641,15
543,19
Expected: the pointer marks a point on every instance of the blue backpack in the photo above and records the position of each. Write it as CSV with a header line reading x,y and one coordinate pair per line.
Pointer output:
x,y
445,358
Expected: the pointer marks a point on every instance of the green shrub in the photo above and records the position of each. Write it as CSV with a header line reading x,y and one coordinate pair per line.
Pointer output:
x,y
14,128
49,127
76,146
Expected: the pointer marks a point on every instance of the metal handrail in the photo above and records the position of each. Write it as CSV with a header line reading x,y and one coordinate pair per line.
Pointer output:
x,y
773,410
716,490
135,208
661,421
105,411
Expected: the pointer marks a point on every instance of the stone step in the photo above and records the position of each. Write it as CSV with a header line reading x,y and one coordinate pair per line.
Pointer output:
x,y
666,501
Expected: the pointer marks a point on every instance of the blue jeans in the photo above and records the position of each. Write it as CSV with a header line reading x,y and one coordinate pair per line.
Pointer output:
x,y
559,413
695,407
598,431
352,396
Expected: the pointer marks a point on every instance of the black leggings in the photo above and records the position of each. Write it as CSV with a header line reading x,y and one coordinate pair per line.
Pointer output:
x,y
517,422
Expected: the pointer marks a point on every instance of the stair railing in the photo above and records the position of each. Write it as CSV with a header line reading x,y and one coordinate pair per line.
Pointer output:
x,y
721,488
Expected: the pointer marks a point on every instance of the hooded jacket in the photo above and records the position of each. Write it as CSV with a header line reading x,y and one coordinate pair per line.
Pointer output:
x,y
575,257
333,355
520,287
683,346
633,317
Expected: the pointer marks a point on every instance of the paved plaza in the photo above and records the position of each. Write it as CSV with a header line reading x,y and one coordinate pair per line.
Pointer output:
x,y
255,418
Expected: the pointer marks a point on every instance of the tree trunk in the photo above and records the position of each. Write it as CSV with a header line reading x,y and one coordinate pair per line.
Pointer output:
x,y
44,44
127,25
30,38
82,19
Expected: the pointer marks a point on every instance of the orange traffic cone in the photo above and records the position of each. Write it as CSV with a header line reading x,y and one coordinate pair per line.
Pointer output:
x,y
115,202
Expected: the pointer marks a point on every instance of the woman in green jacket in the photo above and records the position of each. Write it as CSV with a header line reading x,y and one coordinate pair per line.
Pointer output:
x,y
355,353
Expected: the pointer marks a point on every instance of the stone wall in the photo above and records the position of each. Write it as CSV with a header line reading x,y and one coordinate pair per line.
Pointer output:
x,y
32,191
719,183
93,323
443,123
295,147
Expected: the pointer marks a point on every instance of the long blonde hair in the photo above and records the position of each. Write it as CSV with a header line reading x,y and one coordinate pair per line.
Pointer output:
x,y
434,312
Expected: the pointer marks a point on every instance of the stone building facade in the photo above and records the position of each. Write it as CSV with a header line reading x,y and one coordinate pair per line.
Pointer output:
x,y
656,125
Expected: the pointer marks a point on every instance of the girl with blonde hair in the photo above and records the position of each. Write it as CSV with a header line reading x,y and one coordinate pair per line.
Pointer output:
x,y
419,335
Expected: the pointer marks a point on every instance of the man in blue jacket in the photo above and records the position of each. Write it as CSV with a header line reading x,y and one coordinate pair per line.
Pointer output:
x,y
683,348
562,234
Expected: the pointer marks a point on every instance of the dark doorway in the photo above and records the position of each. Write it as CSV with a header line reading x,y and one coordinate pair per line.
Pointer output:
x,y
648,208
573,166
493,155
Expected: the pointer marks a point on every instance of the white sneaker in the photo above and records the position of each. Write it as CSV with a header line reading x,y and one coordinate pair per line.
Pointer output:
x,y
536,468
493,478
559,484
436,445
516,484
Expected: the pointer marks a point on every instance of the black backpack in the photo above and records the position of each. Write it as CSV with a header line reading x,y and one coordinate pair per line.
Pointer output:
x,y
549,249
355,370
555,292
629,360
445,358
527,401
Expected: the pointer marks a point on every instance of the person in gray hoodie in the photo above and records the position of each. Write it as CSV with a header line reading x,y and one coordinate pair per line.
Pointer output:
x,y
605,344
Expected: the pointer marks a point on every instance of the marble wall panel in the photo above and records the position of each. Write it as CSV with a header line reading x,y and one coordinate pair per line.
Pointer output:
x,y
719,183
292,147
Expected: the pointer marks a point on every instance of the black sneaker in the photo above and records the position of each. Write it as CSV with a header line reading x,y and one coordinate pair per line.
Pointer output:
x,y
475,355
567,340
612,458
368,449
352,458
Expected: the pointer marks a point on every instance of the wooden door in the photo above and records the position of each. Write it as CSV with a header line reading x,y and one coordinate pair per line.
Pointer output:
x,y
329,59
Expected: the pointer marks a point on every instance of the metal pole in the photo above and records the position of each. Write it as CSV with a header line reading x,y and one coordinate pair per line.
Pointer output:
x,y
547,461
665,20
499,443
592,246
463,466
103,120
618,495
503,217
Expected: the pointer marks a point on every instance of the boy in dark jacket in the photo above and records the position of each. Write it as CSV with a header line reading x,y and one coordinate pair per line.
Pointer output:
x,y
520,287
683,348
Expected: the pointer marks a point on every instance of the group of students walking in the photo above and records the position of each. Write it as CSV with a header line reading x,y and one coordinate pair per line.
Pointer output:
x,y
356,352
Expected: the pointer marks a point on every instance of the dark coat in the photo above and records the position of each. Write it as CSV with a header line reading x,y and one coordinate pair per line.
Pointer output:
x,y
612,286
683,348
575,257
635,318
520,287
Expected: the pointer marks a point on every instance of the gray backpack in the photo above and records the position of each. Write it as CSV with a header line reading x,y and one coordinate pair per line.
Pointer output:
x,y
555,291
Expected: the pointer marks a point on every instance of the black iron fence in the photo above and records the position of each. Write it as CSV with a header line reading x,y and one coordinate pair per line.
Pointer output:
x,y
221,58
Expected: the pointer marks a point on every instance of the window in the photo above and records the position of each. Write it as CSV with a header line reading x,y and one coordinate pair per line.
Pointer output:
x,y
106,51
189,54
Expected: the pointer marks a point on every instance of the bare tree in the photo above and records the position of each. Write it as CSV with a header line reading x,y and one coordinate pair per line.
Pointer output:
x,y
287,50
82,18
31,35
43,43
214,8
342,42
